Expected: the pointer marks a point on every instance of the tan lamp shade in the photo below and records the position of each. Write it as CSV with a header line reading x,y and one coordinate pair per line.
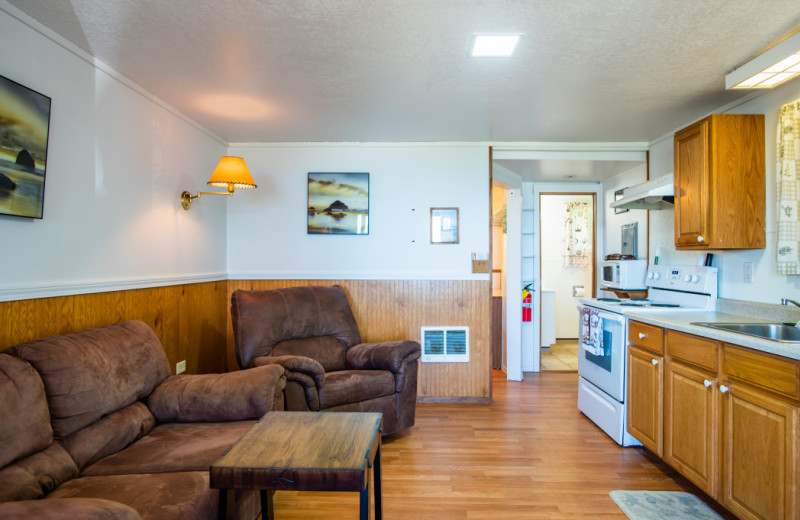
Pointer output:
x,y
231,173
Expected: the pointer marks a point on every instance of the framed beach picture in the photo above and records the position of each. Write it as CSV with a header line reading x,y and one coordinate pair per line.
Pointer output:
x,y
338,203
444,225
24,129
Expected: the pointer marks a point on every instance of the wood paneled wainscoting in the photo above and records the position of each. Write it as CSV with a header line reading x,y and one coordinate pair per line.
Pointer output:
x,y
389,310
190,319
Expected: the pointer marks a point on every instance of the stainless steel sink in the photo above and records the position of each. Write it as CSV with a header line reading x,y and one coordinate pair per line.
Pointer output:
x,y
784,332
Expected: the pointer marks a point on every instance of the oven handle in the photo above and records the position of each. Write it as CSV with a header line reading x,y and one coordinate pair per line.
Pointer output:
x,y
619,318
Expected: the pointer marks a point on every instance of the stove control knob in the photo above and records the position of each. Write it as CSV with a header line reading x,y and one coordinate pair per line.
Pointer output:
x,y
656,276
651,275
695,278
687,278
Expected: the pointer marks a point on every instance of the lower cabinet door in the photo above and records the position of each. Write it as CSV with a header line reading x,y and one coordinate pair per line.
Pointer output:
x,y
691,419
645,398
760,475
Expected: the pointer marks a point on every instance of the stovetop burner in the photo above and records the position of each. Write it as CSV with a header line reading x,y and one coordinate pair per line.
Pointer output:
x,y
664,305
609,300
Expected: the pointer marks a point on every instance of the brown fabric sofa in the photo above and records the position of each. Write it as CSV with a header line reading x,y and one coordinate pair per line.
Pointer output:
x,y
312,333
94,426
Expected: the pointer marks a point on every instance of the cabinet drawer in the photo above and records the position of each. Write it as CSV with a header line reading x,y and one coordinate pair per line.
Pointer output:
x,y
772,373
646,336
692,349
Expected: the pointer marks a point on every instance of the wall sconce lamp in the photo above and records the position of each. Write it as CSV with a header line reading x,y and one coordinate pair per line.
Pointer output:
x,y
776,65
231,173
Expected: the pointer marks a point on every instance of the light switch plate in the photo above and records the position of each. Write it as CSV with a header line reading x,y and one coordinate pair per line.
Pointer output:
x,y
180,367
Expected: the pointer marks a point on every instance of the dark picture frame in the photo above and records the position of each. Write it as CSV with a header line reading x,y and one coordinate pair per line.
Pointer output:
x,y
445,226
338,203
24,139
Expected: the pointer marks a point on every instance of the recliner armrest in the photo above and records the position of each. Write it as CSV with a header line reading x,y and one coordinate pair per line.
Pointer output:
x,y
232,396
389,355
302,364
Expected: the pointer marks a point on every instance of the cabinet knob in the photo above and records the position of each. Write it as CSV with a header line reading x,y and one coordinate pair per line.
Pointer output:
x,y
655,361
642,335
724,389
700,238
706,383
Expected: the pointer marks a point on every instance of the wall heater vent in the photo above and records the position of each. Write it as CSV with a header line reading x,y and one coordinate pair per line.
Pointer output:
x,y
445,344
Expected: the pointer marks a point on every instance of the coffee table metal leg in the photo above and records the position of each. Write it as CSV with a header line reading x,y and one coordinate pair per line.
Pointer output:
x,y
266,505
223,504
376,477
364,502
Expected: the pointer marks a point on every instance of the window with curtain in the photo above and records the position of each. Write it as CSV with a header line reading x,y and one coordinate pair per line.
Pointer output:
x,y
788,184
577,234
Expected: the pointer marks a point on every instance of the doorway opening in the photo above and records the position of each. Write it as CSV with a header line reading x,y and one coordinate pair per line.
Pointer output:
x,y
567,234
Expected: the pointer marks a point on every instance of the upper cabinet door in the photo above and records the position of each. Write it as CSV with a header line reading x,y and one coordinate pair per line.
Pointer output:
x,y
691,184
720,183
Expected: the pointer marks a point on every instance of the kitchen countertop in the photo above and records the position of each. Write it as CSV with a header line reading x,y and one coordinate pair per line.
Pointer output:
x,y
682,321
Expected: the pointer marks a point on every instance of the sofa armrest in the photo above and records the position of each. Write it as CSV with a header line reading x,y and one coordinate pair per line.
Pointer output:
x,y
233,396
59,508
389,355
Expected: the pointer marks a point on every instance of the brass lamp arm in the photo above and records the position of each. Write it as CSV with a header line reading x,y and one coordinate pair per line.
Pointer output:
x,y
186,197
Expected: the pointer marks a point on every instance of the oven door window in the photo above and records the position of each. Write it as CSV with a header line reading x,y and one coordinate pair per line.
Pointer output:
x,y
604,361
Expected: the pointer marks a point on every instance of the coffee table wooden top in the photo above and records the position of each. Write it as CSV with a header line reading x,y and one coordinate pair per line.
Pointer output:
x,y
307,451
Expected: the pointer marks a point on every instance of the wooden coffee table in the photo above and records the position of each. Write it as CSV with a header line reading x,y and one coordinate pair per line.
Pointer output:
x,y
304,451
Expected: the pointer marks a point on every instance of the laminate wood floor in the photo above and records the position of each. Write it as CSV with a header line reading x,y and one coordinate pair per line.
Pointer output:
x,y
529,455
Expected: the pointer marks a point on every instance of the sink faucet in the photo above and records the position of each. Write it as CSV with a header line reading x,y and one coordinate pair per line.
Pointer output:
x,y
787,301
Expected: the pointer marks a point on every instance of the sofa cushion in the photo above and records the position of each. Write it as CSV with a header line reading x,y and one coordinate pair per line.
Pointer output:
x,y
92,373
349,386
262,319
173,447
25,420
110,434
61,508
36,475
162,495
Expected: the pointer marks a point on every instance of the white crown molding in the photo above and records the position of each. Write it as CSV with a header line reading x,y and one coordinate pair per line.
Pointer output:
x,y
49,291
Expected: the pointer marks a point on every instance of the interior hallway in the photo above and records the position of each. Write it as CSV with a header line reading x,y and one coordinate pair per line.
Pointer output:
x,y
561,356
529,455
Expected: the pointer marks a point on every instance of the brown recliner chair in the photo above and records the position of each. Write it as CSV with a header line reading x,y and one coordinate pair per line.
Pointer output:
x,y
312,333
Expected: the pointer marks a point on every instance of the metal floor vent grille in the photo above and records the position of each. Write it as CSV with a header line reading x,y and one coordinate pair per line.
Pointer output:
x,y
445,344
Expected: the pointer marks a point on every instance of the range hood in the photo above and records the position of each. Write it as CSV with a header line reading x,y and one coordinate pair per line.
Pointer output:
x,y
655,194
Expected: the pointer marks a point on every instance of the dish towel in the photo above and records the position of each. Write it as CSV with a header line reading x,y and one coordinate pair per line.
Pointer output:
x,y
592,339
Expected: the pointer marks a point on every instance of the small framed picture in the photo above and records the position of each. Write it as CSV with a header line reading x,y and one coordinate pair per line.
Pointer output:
x,y
444,225
618,195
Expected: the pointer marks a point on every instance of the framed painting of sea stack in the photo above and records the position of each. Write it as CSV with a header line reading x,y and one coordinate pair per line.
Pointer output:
x,y
24,128
338,203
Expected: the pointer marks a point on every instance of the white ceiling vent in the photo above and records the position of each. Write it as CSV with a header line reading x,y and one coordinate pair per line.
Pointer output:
x,y
445,344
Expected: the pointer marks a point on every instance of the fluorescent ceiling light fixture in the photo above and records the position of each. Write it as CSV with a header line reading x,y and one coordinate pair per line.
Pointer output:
x,y
775,66
493,44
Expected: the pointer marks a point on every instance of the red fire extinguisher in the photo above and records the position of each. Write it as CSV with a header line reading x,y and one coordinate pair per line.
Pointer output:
x,y
527,303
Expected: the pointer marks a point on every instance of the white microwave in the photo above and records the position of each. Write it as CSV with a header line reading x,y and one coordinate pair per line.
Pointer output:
x,y
623,274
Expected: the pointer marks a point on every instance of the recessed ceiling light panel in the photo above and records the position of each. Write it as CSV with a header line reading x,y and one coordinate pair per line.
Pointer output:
x,y
494,45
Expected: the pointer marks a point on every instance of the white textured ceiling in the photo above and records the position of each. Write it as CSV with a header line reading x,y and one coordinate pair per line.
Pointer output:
x,y
398,70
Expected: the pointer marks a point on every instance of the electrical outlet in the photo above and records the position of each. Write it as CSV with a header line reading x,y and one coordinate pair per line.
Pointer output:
x,y
748,272
180,367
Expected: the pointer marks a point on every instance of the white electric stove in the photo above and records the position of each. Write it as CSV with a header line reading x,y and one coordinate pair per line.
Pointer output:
x,y
601,390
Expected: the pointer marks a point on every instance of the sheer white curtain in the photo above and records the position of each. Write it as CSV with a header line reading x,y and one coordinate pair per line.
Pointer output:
x,y
577,234
788,184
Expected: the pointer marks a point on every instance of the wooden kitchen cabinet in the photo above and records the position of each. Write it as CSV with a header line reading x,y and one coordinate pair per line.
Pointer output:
x,y
720,183
760,448
645,409
691,409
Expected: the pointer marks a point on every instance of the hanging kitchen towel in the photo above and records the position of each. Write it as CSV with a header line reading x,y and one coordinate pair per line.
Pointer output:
x,y
593,341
